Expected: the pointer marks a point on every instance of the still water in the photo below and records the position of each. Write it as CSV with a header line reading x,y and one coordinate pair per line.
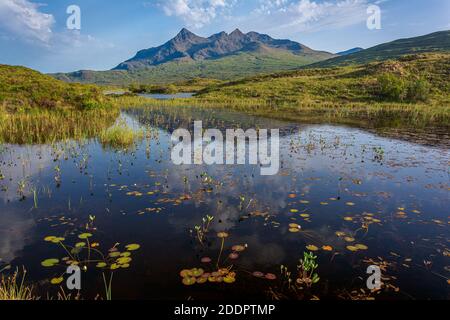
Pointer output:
x,y
356,198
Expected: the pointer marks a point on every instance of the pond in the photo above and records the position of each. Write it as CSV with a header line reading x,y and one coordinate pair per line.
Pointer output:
x,y
352,197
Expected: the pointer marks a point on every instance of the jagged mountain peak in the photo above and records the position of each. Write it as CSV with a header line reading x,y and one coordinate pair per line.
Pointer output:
x,y
187,46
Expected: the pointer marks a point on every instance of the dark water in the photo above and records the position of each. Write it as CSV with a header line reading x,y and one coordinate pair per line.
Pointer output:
x,y
389,195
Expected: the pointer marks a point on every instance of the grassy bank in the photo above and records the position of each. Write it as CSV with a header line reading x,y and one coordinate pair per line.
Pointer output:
x,y
35,108
412,90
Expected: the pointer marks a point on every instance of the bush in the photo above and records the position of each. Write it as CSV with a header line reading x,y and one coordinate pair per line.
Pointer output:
x,y
418,90
391,87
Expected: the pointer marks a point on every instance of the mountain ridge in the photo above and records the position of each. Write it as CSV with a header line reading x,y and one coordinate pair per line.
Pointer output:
x,y
189,47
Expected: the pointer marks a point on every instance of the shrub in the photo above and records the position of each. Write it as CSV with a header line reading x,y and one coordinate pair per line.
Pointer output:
x,y
391,87
418,90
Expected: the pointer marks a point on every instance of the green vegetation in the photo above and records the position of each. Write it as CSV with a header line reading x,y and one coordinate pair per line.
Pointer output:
x,y
35,108
193,85
120,136
227,68
22,89
13,287
438,42
365,94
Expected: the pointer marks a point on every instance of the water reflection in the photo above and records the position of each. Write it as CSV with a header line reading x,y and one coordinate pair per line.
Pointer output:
x,y
336,182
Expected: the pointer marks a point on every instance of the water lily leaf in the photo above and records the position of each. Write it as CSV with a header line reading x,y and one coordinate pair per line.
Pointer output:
x,y
206,260
352,248
312,247
124,260
270,276
115,266
233,256
223,235
186,273
85,236
197,272
57,281
238,248
101,265
114,254
80,245
229,280
189,281
349,239
132,247
361,247
49,262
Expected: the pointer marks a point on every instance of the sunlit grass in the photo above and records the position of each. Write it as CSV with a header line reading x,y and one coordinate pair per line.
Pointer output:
x,y
13,287
120,136
44,126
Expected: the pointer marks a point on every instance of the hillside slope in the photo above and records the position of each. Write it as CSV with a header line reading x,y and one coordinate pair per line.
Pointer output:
x,y
434,42
343,85
22,88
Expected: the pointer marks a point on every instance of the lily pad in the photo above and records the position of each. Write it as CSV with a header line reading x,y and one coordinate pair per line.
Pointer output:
x,y
49,262
132,247
85,236
57,281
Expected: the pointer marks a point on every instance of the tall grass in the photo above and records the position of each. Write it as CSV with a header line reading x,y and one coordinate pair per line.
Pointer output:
x,y
46,126
120,136
13,287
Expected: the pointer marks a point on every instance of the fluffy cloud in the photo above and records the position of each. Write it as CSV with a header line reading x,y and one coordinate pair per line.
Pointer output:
x,y
21,18
309,15
195,13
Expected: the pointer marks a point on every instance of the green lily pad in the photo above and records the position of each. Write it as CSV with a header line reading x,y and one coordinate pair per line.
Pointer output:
x,y
132,247
101,265
57,281
85,236
49,262
124,260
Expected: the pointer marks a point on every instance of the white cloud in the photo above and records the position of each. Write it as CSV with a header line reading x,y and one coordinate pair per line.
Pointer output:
x,y
309,15
196,13
21,18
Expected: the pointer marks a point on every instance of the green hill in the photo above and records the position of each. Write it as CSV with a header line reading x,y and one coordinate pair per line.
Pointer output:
x,y
22,88
434,42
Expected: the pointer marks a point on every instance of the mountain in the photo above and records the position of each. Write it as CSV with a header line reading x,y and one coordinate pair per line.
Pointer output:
x,y
350,51
220,56
188,47
434,42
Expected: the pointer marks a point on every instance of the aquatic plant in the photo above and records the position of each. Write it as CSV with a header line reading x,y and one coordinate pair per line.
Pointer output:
x,y
84,252
306,270
13,287
120,136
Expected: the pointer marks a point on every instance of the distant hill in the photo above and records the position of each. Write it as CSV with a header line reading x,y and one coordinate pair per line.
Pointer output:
x,y
434,42
220,56
350,51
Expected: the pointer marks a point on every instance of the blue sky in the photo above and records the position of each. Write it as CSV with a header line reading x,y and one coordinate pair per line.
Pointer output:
x,y
34,33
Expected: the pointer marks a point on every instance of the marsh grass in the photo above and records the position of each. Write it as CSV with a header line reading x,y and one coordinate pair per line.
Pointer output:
x,y
350,95
120,136
41,126
13,287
